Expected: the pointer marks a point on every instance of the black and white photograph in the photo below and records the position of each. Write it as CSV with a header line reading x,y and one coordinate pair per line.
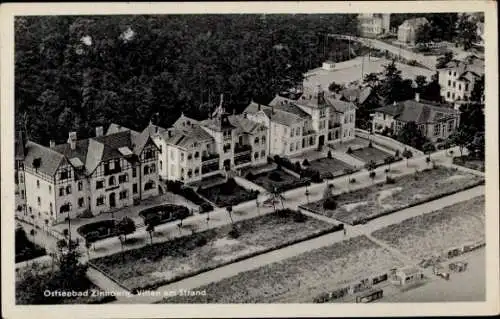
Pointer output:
x,y
325,158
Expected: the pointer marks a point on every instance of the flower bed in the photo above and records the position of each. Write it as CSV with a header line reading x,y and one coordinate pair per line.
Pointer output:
x,y
470,162
155,265
165,213
102,229
279,179
227,194
300,278
188,193
438,231
406,191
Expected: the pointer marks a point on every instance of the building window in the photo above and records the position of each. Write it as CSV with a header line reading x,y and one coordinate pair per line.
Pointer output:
x,y
454,73
100,201
39,201
449,73
37,183
61,191
263,139
50,189
454,84
292,131
437,129
80,202
161,165
161,149
152,168
297,146
449,82
80,186
466,86
123,178
146,170
453,95
459,86
123,194
68,189
262,154
134,172
291,147
227,148
447,94
182,157
134,188
196,171
111,181
51,209
450,126
65,174
256,155
22,194
189,156
256,141
196,154
322,113
149,185
149,153
99,184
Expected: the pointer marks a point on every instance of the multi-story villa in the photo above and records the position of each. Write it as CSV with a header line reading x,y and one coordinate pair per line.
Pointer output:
x,y
434,121
457,78
310,122
407,31
93,175
372,25
191,150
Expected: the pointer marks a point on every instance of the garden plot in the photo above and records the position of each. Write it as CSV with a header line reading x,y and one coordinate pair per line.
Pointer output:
x,y
277,178
300,278
330,166
438,231
367,154
228,193
407,190
154,265
470,162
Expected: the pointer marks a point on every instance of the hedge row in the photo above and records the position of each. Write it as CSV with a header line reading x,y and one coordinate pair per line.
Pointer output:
x,y
178,188
310,173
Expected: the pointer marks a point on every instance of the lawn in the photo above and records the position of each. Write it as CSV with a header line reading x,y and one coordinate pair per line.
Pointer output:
x,y
277,178
155,265
300,278
438,231
470,162
227,194
383,198
330,166
367,154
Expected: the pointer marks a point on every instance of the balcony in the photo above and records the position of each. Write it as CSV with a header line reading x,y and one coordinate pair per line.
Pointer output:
x,y
210,166
242,149
208,159
333,125
308,133
243,158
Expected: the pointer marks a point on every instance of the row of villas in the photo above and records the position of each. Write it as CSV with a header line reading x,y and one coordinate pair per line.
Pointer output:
x,y
119,168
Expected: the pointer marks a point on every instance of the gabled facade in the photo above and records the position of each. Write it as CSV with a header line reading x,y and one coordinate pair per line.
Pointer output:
x,y
93,175
371,25
310,122
407,31
457,79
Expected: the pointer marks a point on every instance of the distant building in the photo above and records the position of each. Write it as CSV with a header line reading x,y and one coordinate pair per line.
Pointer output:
x,y
407,31
457,78
356,95
95,175
328,65
372,25
480,34
434,121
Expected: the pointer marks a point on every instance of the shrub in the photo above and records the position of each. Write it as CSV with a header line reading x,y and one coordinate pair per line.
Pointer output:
x,y
352,180
372,174
313,174
19,208
275,176
86,214
370,145
234,233
250,176
206,207
305,162
201,241
329,155
389,180
349,150
298,168
299,217
396,154
330,203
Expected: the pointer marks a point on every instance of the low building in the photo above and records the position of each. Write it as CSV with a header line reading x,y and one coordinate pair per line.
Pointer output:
x,y
356,95
435,121
328,65
407,31
408,275
457,78
372,25
93,175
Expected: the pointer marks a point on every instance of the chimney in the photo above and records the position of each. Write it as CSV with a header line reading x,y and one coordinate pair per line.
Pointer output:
x,y
99,131
72,140
417,97
169,133
259,108
52,143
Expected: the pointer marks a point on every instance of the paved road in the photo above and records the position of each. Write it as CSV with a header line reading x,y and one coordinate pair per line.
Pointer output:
x,y
278,255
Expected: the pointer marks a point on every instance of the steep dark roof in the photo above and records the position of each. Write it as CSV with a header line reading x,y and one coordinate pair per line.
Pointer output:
x,y
278,116
50,160
418,112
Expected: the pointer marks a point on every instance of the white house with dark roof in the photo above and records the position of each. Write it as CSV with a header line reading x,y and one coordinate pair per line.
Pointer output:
x,y
313,120
435,121
407,31
95,175
191,150
457,78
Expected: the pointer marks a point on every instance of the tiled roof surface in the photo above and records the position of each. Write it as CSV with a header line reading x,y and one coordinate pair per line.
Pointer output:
x,y
278,116
245,125
418,112
50,160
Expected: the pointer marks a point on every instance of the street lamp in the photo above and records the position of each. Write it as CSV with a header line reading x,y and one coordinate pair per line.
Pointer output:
x,y
307,194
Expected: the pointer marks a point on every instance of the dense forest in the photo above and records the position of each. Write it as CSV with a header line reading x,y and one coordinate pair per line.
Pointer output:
x,y
74,73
